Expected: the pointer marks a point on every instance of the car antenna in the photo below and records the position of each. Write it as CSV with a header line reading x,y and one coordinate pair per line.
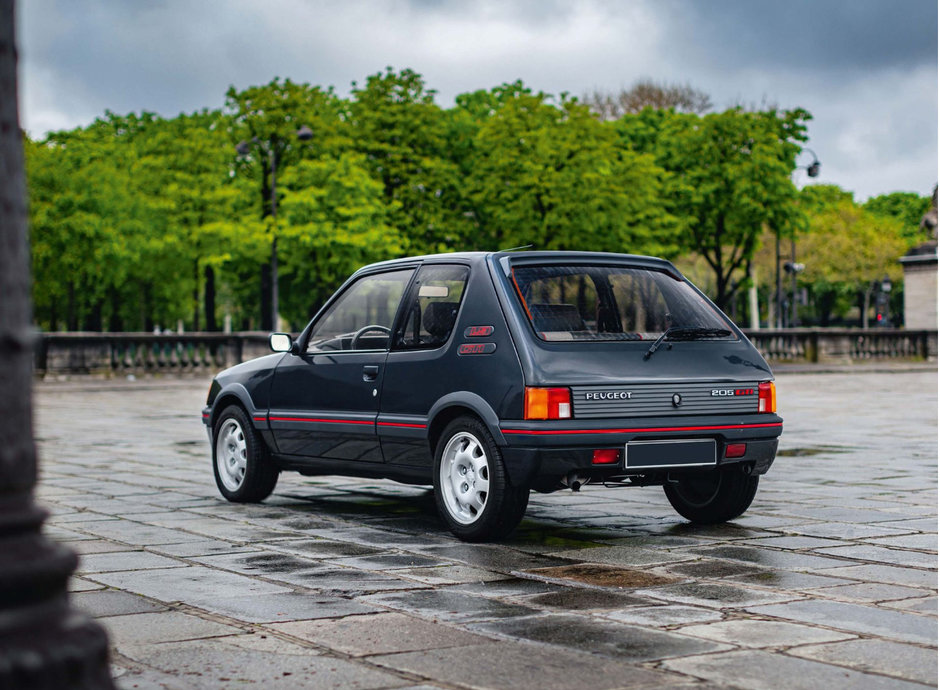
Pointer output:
x,y
515,249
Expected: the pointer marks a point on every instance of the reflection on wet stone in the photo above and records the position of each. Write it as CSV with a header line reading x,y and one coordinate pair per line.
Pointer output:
x,y
585,600
612,639
720,596
604,576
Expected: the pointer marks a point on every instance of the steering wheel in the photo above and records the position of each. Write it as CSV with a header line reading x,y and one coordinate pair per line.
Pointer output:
x,y
367,329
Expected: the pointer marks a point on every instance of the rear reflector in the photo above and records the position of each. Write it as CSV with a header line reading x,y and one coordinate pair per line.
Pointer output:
x,y
606,456
735,450
547,403
766,397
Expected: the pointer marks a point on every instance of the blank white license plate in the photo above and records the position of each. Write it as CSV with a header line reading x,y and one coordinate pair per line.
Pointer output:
x,y
679,453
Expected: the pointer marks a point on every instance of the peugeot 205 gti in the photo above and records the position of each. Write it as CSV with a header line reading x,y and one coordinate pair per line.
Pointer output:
x,y
490,375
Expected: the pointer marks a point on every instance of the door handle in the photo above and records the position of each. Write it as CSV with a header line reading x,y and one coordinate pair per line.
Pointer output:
x,y
370,372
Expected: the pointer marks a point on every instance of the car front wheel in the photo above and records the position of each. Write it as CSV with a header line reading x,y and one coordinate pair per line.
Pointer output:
x,y
712,497
242,466
471,488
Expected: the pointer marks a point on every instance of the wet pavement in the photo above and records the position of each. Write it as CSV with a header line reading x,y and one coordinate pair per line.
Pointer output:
x,y
829,579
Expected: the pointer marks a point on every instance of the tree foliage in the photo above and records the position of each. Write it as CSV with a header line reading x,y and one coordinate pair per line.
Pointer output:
x,y
907,208
140,221
728,177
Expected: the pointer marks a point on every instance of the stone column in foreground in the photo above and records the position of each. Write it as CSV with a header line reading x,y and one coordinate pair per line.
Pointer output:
x,y
44,644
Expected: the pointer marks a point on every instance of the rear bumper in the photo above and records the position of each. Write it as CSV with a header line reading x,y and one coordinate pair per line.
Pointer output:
x,y
541,454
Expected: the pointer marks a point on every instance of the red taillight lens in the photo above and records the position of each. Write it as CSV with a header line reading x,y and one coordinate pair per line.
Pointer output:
x,y
606,456
547,403
735,450
766,397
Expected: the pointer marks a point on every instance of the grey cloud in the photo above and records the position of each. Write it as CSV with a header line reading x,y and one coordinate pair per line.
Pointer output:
x,y
866,69
812,35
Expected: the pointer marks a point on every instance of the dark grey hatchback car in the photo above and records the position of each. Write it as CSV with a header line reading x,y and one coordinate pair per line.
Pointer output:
x,y
489,375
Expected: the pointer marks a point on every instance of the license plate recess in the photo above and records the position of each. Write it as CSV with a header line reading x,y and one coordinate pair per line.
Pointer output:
x,y
671,454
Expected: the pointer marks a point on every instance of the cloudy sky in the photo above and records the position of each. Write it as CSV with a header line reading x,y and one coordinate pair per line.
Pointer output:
x,y
865,69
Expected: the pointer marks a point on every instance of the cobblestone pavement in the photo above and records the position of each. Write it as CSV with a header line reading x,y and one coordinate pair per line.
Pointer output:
x,y
828,581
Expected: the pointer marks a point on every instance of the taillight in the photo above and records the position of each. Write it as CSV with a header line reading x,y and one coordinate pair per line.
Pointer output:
x,y
766,397
735,450
547,403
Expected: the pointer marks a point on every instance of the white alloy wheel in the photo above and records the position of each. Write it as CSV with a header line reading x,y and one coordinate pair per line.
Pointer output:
x,y
231,454
464,478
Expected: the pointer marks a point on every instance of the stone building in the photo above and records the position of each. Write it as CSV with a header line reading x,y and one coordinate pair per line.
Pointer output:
x,y
920,276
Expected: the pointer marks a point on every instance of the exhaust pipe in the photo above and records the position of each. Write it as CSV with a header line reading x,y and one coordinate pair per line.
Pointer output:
x,y
574,481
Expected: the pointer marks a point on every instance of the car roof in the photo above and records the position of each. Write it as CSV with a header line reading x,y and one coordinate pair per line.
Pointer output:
x,y
533,257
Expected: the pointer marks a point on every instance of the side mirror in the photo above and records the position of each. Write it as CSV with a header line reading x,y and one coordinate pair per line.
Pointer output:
x,y
280,342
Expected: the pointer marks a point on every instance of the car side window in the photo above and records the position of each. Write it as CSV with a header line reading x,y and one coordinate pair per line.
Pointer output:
x,y
430,311
362,317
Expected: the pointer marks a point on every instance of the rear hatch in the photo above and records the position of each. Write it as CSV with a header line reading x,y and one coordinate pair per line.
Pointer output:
x,y
628,335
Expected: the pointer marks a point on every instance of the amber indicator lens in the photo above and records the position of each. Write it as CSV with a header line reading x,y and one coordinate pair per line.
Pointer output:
x,y
547,403
766,397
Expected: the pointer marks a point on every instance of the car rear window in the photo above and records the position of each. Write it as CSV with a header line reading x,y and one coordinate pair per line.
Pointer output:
x,y
603,303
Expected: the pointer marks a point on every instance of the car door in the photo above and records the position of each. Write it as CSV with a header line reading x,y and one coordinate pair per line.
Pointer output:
x,y
324,400
418,371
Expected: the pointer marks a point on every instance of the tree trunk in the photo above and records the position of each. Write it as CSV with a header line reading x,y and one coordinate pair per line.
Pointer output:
x,y
71,317
211,324
147,302
115,322
94,320
196,295
267,321
43,642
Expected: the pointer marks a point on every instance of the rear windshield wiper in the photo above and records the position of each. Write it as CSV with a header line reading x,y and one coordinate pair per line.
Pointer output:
x,y
686,333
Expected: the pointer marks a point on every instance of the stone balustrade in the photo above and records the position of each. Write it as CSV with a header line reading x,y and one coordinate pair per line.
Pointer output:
x,y
118,354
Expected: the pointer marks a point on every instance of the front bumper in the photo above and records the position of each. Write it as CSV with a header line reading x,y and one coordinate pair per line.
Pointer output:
x,y
541,454
207,420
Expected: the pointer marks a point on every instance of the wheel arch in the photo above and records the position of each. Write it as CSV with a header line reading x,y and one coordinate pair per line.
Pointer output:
x,y
458,404
234,393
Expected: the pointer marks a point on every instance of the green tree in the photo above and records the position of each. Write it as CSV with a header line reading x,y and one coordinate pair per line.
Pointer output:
x,y
907,207
267,122
337,220
846,250
553,176
729,177
402,134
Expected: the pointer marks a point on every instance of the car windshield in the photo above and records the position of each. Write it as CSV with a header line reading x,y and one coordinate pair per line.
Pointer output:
x,y
604,303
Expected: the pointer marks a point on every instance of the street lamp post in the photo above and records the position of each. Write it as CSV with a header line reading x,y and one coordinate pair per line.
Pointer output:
x,y
812,170
882,289
243,148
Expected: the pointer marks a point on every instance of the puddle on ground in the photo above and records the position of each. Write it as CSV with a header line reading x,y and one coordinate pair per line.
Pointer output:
x,y
604,576
811,450
535,534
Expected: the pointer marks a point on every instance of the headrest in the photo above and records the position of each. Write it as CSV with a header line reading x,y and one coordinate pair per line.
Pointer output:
x,y
439,318
556,317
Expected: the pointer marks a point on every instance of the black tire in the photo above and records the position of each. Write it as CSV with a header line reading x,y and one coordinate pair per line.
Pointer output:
x,y
713,497
241,461
465,460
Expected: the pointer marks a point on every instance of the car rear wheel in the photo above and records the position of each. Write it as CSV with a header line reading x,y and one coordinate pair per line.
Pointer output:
x,y
241,463
712,497
471,488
